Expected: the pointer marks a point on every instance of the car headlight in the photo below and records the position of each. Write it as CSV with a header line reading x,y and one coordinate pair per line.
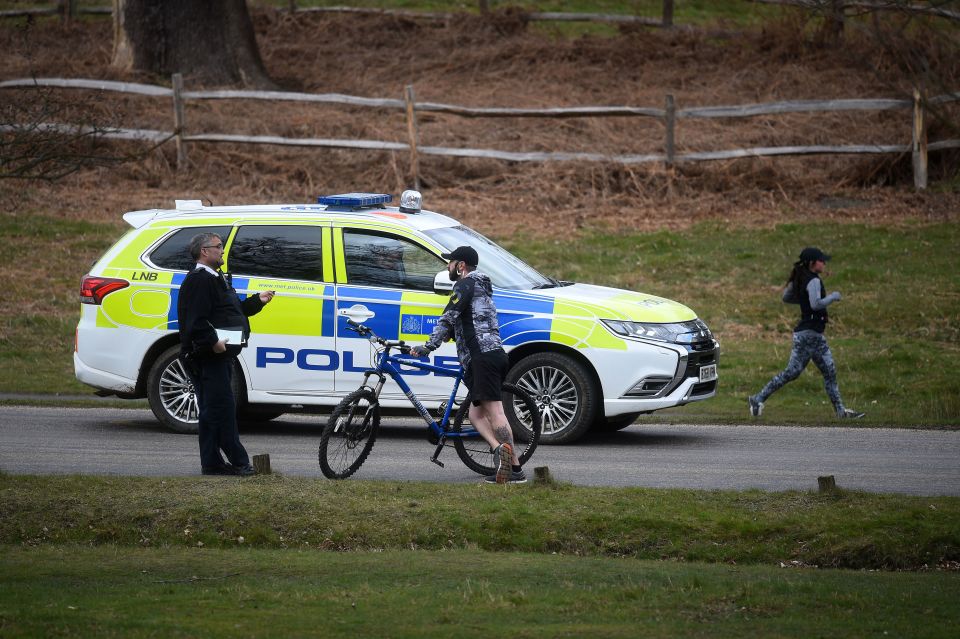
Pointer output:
x,y
673,332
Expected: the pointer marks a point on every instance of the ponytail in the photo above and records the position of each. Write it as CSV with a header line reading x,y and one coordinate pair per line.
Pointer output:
x,y
797,275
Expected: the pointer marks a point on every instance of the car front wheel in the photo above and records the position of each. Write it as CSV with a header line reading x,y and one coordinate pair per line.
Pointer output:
x,y
564,392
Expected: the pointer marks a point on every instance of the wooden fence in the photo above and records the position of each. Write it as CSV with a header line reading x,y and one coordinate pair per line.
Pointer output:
x,y
834,10
917,105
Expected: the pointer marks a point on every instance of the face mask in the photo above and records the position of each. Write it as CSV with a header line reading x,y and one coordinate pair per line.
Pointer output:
x,y
453,273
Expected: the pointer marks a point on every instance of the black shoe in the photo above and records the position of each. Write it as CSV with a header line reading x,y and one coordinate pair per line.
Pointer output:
x,y
222,469
244,471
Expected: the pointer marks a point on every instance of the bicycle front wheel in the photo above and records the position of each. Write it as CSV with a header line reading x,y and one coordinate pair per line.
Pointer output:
x,y
525,422
349,434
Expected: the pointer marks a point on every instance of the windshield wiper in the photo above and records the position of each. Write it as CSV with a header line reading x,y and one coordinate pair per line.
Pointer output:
x,y
552,284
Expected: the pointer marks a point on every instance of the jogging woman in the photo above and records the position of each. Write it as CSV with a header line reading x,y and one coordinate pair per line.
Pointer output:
x,y
806,289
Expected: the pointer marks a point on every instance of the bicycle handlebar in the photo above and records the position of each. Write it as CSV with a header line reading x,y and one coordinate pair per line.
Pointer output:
x,y
366,331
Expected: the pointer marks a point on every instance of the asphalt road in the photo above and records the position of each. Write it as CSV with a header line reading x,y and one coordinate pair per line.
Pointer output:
x,y
130,442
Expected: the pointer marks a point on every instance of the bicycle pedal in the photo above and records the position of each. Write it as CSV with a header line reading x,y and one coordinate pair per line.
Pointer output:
x,y
436,454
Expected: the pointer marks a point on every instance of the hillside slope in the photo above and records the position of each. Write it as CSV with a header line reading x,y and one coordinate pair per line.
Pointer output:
x,y
505,62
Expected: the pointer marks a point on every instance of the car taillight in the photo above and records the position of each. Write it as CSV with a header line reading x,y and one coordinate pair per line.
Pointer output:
x,y
94,289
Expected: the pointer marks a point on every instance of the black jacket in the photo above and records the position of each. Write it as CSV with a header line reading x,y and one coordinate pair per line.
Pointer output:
x,y
205,303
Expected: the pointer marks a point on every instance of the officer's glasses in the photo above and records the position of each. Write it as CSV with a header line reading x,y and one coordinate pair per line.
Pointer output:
x,y
216,246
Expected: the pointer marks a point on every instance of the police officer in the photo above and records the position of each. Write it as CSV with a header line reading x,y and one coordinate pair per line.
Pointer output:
x,y
805,288
207,302
471,318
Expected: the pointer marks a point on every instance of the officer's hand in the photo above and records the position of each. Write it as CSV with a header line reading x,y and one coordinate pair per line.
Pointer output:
x,y
221,346
419,351
266,296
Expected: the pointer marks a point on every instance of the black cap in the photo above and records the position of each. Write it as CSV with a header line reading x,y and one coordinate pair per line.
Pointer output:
x,y
813,254
462,254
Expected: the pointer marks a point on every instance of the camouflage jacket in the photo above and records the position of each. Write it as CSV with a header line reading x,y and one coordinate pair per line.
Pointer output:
x,y
470,318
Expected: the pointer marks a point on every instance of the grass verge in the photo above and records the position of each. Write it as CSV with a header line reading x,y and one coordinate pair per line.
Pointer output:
x,y
839,529
108,591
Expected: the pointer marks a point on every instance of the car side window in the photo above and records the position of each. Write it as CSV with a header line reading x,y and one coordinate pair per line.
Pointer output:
x,y
283,252
174,251
381,259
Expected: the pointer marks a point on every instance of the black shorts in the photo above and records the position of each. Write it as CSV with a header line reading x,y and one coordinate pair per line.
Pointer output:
x,y
484,376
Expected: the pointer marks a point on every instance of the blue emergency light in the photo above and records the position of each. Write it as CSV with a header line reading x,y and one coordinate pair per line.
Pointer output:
x,y
354,200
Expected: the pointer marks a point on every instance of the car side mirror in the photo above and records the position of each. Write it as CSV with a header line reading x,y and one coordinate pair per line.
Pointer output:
x,y
442,284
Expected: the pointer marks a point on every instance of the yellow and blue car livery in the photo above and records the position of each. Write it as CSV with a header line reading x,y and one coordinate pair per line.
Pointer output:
x,y
591,356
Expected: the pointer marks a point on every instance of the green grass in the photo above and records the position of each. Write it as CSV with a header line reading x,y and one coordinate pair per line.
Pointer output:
x,y
278,556
893,334
118,592
43,258
835,529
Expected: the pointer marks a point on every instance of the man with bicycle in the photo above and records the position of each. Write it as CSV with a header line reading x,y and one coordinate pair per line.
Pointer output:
x,y
471,319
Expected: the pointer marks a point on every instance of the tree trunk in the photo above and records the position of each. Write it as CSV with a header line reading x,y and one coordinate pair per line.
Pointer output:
x,y
211,42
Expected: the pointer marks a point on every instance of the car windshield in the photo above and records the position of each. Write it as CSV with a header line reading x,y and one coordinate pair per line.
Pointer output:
x,y
505,269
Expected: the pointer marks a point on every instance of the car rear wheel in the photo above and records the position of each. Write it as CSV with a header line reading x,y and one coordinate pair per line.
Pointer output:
x,y
172,396
564,392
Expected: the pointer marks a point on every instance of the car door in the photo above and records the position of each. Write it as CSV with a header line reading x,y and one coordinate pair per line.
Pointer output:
x,y
391,275
292,348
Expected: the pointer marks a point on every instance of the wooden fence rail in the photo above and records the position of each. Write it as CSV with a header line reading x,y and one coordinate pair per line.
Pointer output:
x,y
918,146
69,9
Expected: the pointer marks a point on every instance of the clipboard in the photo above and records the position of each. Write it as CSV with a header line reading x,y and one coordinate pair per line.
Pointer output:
x,y
233,337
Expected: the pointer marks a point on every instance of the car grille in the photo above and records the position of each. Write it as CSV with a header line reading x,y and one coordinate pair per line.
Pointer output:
x,y
699,354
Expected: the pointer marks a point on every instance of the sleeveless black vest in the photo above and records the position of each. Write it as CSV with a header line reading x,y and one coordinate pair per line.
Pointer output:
x,y
810,320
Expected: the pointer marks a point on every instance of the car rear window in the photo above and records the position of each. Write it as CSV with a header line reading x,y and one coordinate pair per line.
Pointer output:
x,y
284,252
173,253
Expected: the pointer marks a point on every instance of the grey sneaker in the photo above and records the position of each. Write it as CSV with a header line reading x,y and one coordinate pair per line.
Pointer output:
x,y
503,462
516,477
756,408
849,413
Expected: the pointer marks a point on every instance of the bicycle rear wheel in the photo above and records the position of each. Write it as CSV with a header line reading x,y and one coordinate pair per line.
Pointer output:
x,y
349,434
525,422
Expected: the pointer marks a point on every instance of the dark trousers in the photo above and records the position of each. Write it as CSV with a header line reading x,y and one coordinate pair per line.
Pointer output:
x,y
218,414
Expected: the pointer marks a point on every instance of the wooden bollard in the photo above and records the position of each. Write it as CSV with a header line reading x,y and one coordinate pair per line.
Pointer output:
x,y
261,464
541,475
827,483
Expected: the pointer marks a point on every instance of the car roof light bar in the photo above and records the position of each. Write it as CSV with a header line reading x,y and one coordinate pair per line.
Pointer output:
x,y
351,201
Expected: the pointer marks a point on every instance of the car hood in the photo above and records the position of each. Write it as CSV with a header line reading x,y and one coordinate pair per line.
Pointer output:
x,y
602,302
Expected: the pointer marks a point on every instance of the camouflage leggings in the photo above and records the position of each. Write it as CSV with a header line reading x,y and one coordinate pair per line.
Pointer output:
x,y
807,345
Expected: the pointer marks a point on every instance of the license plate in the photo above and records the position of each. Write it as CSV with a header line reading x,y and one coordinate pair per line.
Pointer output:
x,y
708,373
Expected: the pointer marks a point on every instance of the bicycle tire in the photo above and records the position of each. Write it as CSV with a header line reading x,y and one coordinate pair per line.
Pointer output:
x,y
525,422
349,434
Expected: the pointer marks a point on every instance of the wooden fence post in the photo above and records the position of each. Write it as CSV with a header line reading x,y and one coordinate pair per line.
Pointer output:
x,y
919,143
413,134
68,10
835,20
293,6
484,7
178,121
670,120
667,20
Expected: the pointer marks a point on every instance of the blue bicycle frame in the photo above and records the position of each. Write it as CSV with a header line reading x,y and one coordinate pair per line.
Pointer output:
x,y
389,365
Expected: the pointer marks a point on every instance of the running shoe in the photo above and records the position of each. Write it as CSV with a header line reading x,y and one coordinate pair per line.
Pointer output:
x,y
849,413
503,460
516,477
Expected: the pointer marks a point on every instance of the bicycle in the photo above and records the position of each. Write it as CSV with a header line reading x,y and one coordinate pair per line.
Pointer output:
x,y
351,430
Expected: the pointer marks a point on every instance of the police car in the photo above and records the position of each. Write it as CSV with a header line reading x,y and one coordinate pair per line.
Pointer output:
x,y
593,357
